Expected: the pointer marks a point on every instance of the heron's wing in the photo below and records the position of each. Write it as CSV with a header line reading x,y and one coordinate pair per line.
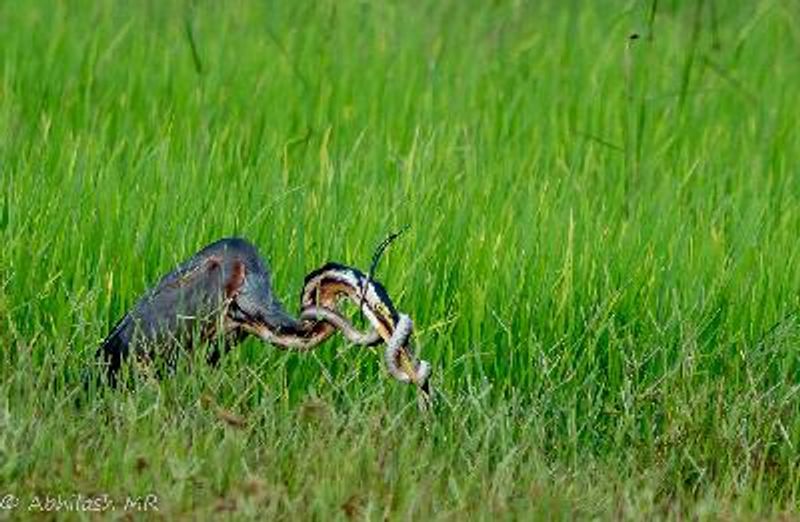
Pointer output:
x,y
190,294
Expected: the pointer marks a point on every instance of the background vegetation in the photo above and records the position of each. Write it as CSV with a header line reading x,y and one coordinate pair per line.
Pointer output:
x,y
602,259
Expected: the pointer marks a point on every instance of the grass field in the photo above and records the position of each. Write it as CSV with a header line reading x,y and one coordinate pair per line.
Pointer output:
x,y
603,259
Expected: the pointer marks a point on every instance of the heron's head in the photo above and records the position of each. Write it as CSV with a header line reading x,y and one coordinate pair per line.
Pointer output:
x,y
254,308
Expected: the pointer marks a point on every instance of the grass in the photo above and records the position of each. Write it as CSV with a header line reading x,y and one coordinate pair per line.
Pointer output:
x,y
602,259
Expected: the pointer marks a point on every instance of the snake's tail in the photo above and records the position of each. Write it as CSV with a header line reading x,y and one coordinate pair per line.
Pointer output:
x,y
391,354
398,347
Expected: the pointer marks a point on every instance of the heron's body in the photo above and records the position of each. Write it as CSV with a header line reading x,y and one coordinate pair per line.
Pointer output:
x,y
224,292
192,300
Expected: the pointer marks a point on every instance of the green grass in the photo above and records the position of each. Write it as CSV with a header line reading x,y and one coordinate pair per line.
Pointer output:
x,y
603,260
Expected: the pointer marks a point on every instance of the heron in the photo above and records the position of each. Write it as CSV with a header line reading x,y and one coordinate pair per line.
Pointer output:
x,y
223,294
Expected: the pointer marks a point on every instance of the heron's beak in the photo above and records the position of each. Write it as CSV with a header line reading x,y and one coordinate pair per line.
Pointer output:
x,y
260,331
